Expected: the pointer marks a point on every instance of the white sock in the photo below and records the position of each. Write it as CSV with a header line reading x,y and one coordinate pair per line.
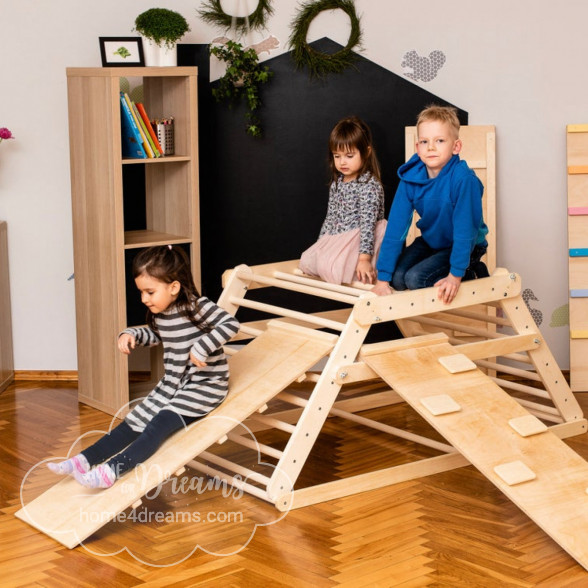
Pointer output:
x,y
102,476
78,463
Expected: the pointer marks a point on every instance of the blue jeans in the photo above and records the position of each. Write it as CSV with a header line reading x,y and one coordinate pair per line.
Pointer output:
x,y
421,266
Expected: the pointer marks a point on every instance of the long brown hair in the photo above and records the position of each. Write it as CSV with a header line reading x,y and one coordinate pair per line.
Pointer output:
x,y
170,264
353,133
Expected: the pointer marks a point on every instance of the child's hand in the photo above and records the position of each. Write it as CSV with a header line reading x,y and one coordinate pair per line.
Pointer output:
x,y
365,271
197,362
448,288
126,342
382,288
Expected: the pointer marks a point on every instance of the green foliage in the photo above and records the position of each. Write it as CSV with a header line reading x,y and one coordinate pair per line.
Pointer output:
x,y
318,63
162,26
243,77
213,13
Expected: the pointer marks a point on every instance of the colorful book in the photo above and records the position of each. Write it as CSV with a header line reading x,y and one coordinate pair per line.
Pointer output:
x,y
146,144
145,131
131,140
147,122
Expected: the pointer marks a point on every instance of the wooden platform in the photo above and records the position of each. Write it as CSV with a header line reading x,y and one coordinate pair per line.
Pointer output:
x,y
539,472
69,513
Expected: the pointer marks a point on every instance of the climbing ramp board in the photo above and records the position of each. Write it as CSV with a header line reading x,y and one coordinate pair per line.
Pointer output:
x,y
535,469
69,513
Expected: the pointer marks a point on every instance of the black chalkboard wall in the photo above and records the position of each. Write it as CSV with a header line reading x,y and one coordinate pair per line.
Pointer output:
x,y
263,199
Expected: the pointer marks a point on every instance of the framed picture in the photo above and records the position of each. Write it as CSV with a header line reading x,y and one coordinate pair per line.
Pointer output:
x,y
121,51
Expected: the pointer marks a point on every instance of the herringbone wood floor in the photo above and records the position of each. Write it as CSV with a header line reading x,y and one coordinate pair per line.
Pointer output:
x,y
453,529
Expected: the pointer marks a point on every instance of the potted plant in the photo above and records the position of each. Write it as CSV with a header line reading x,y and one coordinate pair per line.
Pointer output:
x,y
161,29
242,79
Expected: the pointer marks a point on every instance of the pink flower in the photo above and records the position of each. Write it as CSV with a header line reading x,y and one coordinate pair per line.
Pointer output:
x,y
5,134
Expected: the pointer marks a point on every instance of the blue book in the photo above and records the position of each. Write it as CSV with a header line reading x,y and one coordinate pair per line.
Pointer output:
x,y
132,142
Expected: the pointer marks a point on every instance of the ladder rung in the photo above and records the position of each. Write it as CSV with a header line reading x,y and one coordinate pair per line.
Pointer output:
x,y
255,445
234,467
278,310
272,422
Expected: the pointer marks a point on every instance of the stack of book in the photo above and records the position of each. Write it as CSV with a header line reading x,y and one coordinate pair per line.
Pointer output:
x,y
139,140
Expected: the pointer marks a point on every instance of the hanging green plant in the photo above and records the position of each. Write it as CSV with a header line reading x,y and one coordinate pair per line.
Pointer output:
x,y
213,13
319,63
243,77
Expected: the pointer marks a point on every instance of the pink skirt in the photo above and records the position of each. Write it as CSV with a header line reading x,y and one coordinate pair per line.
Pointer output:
x,y
333,258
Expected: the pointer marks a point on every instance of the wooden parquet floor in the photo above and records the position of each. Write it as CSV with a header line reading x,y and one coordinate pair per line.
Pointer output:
x,y
448,530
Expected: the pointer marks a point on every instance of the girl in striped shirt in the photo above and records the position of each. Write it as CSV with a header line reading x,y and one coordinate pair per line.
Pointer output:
x,y
193,331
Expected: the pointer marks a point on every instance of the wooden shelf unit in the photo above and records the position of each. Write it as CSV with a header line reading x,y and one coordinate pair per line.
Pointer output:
x,y
577,161
158,204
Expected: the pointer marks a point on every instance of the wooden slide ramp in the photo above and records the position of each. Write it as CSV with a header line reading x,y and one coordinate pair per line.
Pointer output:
x,y
544,477
69,513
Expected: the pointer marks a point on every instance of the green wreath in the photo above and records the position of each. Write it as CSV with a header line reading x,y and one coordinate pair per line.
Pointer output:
x,y
319,63
212,12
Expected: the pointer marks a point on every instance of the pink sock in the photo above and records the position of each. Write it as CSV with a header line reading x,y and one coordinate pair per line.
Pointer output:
x,y
78,463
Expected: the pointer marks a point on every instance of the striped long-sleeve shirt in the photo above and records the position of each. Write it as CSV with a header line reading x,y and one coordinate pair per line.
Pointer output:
x,y
185,388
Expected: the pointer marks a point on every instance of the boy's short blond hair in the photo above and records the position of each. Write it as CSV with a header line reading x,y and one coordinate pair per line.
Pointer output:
x,y
444,114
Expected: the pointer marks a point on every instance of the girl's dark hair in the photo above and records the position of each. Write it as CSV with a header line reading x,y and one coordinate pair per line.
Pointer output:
x,y
170,264
352,132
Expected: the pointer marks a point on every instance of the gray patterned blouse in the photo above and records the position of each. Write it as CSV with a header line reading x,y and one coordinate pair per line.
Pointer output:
x,y
358,204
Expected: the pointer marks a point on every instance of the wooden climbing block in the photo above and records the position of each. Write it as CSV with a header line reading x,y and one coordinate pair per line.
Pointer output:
x,y
527,425
579,293
579,334
515,472
440,404
577,210
457,363
579,252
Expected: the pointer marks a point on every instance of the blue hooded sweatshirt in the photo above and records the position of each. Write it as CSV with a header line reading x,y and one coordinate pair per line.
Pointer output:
x,y
450,210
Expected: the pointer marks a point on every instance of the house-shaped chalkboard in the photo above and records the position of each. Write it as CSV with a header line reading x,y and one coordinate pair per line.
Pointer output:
x,y
264,199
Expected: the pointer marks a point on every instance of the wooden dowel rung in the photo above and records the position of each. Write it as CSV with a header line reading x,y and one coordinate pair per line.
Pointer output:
x,y
318,284
277,310
230,480
250,331
314,289
541,411
401,433
255,445
293,399
234,467
272,422
456,327
506,369
521,388
478,316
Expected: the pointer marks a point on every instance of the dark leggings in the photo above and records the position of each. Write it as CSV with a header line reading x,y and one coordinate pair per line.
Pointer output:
x,y
131,448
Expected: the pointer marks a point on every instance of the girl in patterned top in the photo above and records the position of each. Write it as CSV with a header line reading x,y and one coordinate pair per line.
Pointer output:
x,y
350,238
193,331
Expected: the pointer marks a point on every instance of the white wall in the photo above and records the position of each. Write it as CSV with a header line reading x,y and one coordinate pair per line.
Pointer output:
x,y
518,65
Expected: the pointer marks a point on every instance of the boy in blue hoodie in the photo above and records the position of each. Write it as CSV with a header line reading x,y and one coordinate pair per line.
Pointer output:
x,y
447,195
